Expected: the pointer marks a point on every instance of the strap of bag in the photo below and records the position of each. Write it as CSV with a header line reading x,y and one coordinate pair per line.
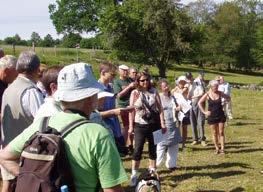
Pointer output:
x,y
147,104
44,124
65,130
72,126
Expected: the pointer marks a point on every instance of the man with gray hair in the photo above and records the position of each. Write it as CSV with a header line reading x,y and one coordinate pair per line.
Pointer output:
x,y
20,102
90,148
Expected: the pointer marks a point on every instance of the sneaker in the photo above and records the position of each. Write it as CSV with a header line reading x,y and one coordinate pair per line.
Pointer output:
x,y
133,181
203,143
194,143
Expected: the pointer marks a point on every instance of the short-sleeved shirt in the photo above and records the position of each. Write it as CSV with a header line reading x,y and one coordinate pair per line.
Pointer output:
x,y
112,121
118,86
93,155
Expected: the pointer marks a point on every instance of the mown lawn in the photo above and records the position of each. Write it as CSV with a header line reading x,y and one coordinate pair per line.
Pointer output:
x,y
238,170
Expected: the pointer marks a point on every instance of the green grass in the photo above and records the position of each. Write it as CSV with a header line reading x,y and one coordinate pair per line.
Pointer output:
x,y
236,171
201,170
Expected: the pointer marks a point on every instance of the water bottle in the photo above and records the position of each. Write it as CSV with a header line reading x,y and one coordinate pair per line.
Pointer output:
x,y
64,188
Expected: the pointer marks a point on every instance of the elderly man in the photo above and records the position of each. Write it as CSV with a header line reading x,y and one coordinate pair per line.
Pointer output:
x,y
123,87
226,89
8,73
20,102
93,155
197,118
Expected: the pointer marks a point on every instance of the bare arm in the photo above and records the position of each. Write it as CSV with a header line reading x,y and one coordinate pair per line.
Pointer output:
x,y
160,108
132,113
116,188
201,103
126,90
9,160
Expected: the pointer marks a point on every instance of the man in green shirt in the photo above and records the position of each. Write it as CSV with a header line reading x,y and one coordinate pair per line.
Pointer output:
x,y
91,150
123,88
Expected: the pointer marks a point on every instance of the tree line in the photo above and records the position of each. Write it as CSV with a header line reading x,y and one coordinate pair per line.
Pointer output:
x,y
227,35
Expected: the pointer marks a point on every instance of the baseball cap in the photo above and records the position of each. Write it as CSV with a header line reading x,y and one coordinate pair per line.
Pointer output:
x,y
76,82
124,67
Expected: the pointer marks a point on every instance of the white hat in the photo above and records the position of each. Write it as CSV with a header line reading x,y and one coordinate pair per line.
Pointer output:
x,y
105,94
76,82
182,78
124,67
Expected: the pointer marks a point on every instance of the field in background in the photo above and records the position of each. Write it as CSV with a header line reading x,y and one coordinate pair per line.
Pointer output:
x,y
201,170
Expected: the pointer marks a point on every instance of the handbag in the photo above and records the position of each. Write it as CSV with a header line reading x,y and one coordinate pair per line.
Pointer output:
x,y
154,114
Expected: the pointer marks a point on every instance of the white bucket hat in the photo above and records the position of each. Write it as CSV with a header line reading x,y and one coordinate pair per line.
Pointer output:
x,y
103,94
76,82
181,78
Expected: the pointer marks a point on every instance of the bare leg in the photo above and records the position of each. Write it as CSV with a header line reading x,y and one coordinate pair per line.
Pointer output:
x,y
152,164
184,134
222,135
214,128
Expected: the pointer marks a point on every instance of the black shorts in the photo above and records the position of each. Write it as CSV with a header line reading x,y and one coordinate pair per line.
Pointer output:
x,y
216,120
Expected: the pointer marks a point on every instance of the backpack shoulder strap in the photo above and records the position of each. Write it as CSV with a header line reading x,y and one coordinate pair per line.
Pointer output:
x,y
44,124
68,128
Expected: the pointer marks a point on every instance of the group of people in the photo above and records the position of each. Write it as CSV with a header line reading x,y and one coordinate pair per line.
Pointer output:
x,y
124,111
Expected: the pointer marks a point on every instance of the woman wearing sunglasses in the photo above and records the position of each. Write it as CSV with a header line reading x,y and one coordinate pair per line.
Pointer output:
x,y
146,100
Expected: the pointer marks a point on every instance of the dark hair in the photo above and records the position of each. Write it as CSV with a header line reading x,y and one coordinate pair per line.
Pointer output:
x,y
107,66
139,75
50,75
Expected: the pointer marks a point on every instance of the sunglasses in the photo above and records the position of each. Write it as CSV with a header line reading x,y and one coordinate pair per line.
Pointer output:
x,y
143,80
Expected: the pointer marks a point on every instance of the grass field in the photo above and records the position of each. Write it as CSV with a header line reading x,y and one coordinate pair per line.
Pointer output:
x,y
236,171
202,171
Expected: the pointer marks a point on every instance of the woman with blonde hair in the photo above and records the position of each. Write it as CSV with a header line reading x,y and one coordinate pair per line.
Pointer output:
x,y
142,121
215,114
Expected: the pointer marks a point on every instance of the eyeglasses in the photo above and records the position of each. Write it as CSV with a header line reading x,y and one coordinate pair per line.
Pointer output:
x,y
143,80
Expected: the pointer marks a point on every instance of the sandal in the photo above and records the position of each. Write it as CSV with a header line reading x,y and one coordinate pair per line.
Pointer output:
x,y
217,151
222,151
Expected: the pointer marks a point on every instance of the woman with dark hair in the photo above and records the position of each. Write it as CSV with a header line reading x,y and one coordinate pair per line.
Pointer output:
x,y
49,81
173,136
215,114
146,100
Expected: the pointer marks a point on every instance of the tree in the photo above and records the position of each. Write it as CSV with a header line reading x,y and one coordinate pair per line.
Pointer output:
x,y
71,40
35,37
48,41
74,16
140,29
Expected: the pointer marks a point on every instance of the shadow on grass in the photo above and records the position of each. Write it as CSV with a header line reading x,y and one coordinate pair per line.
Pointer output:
x,y
218,166
242,123
247,150
238,189
215,175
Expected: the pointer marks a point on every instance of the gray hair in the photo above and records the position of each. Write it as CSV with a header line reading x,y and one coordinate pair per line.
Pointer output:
x,y
27,62
213,83
8,61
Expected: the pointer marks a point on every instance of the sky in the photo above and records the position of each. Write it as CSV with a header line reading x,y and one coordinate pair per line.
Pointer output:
x,y
23,17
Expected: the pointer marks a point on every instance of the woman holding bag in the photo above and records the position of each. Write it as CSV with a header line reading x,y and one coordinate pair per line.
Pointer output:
x,y
141,122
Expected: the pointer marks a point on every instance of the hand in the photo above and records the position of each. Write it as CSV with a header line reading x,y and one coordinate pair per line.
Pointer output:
x,y
130,130
208,113
132,85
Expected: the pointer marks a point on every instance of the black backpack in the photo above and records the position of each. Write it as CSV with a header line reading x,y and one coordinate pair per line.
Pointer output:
x,y
44,165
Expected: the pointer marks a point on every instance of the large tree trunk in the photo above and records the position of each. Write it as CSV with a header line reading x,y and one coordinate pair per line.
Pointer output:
x,y
162,69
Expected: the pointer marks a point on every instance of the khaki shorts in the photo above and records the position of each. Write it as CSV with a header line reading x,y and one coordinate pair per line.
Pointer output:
x,y
6,175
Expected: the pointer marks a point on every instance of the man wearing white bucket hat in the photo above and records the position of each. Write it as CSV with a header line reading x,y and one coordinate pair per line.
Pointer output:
x,y
91,150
